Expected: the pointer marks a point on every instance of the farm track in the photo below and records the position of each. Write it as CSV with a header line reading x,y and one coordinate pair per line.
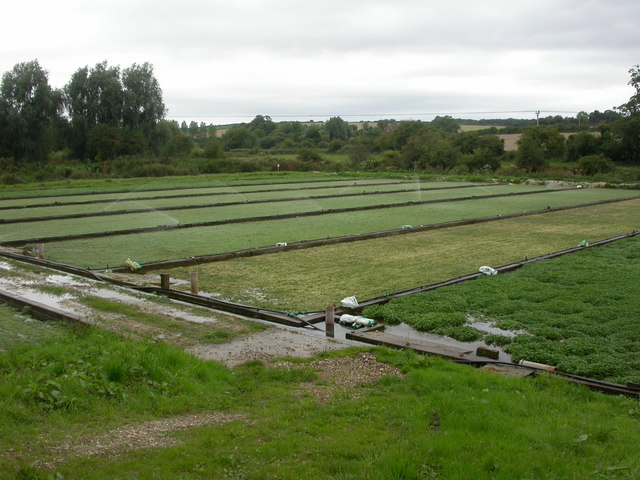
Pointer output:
x,y
161,228
223,204
191,195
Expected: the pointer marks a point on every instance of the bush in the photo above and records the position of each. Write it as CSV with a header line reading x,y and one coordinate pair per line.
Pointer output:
x,y
10,179
594,164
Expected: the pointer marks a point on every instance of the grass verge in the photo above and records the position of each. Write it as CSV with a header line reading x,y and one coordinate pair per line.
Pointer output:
x,y
439,420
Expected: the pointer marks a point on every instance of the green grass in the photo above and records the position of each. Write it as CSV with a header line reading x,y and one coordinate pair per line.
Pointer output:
x,y
166,187
230,212
147,247
90,186
440,420
123,202
303,280
580,311
18,329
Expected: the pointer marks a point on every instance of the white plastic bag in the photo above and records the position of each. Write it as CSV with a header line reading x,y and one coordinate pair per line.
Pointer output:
x,y
488,270
349,302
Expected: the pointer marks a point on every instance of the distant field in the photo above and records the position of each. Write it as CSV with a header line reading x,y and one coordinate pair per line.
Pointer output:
x,y
181,243
511,139
473,128
307,280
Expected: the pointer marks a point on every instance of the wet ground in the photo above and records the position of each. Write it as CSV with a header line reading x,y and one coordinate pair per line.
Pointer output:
x,y
65,291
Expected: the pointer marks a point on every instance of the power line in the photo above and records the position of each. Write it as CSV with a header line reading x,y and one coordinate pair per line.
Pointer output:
x,y
379,115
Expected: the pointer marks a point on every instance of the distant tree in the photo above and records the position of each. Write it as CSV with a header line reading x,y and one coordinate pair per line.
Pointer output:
x,y
482,159
446,124
468,142
430,149
594,164
337,129
632,107
29,112
360,152
143,106
627,140
530,156
608,116
93,97
179,145
239,137
105,142
214,148
313,134
626,131
548,139
581,144
582,118
262,124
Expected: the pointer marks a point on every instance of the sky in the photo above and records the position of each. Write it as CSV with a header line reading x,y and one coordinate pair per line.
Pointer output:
x,y
227,61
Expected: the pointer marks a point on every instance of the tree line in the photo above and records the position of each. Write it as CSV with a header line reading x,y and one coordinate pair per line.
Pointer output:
x,y
106,112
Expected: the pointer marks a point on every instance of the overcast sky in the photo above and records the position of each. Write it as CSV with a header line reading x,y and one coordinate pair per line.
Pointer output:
x,y
227,61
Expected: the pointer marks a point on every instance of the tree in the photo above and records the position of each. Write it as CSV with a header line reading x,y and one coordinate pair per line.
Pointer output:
x,y
530,155
581,144
29,111
143,106
337,129
93,97
632,107
239,137
262,125
446,124
626,131
548,139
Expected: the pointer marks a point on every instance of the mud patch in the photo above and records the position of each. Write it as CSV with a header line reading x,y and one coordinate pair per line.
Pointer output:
x,y
342,376
268,345
134,436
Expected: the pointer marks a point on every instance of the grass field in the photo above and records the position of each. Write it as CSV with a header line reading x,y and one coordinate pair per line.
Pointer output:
x,y
185,216
306,280
193,197
432,419
127,185
181,243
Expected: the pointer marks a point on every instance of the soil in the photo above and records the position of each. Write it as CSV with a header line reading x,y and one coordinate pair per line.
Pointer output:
x,y
268,345
133,436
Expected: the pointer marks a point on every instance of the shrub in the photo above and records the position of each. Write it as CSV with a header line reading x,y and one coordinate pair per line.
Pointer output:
x,y
594,164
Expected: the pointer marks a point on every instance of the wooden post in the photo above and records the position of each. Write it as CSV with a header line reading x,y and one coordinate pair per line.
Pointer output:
x,y
195,289
329,320
41,251
165,280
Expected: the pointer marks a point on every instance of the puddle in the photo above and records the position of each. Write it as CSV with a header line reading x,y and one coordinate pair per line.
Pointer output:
x,y
48,299
148,306
410,333
489,327
65,281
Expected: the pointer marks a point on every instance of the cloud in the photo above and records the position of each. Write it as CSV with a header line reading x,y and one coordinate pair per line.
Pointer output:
x,y
343,57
